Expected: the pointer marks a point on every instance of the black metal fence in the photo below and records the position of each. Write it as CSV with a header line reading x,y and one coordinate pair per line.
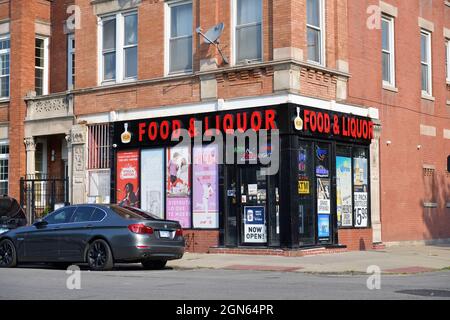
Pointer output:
x,y
39,195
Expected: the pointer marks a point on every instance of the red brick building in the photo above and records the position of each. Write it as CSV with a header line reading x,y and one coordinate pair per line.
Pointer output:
x,y
77,74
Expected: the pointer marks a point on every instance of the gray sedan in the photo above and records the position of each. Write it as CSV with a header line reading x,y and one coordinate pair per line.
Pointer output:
x,y
95,234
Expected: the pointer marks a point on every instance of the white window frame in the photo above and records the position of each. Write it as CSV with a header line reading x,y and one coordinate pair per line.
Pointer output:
x,y
391,23
5,156
447,47
167,27
7,51
46,60
233,34
322,30
428,63
119,50
70,53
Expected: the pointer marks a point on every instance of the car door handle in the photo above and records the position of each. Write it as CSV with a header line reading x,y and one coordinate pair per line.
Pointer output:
x,y
88,226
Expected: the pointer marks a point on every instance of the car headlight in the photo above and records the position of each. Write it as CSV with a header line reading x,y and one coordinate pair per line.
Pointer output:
x,y
3,230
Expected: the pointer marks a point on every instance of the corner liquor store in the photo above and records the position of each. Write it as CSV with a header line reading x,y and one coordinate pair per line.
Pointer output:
x,y
323,181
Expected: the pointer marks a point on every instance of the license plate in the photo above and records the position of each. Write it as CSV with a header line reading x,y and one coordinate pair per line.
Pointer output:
x,y
164,234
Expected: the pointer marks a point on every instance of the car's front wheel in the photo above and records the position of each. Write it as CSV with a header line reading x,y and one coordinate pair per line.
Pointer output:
x,y
8,256
154,264
99,256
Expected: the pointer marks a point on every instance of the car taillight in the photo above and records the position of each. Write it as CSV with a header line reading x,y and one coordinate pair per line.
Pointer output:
x,y
140,229
179,232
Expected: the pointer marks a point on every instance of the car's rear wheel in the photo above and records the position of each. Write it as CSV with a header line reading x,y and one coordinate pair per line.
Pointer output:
x,y
8,256
99,256
154,264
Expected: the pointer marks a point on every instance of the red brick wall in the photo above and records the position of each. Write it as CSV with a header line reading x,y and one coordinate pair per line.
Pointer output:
x,y
201,240
403,188
356,239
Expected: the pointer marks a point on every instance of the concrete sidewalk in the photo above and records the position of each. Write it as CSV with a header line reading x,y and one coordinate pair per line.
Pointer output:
x,y
393,260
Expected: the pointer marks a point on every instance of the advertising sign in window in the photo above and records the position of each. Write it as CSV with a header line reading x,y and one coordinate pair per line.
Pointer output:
x,y
205,187
178,188
128,178
344,191
152,181
323,196
323,226
254,224
360,193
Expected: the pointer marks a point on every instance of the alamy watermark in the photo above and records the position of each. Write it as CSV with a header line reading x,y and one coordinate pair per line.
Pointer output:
x,y
374,280
73,281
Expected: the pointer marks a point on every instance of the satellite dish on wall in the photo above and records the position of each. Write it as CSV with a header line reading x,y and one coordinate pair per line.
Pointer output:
x,y
212,37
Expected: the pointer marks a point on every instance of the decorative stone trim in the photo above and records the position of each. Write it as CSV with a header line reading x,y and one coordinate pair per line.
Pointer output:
x,y
389,9
47,107
107,6
30,144
425,24
244,74
427,130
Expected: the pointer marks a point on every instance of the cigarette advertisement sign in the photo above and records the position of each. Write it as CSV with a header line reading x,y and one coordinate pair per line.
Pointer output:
x,y
254,224
360,191
128,178
344,191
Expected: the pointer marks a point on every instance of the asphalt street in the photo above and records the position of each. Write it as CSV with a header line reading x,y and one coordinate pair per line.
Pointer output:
x,y
132,282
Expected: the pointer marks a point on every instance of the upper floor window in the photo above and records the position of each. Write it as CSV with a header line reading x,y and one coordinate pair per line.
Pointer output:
x,y
447,58
425,61
71,61
315,32
4,67
119,47
388,60
180,37
248,30
41,66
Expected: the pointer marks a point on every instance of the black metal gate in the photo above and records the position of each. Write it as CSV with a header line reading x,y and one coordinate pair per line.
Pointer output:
x,y
40,195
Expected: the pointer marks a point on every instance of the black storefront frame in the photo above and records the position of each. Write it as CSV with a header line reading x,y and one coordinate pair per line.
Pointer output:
x,y
288,223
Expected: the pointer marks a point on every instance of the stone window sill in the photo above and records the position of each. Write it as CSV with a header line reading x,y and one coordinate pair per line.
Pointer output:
x,y
428,97
388,87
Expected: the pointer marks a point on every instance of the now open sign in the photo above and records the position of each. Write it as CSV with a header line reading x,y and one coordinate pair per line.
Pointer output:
x,y
254,224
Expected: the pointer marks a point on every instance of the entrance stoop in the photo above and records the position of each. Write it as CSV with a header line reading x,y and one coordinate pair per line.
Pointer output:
x,y
279,252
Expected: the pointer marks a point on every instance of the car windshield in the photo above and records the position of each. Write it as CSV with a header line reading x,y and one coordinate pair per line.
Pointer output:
x,y
131,213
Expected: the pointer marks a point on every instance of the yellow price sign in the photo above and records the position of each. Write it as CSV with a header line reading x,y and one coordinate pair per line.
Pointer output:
x,y
303,187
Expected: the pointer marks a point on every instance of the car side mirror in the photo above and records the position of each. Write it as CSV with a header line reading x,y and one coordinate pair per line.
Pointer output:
x,y
40,223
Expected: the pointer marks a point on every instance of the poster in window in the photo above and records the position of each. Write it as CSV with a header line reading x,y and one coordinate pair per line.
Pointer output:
x,y
152,181
323,196
128,178
254,224
322,163
323,225
360,194
178,188
205,185
344,191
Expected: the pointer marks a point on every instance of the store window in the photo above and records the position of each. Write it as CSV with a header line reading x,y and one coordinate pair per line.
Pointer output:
x,y
248,30
352,187
4,167
98,164
4,66
315,32
180,37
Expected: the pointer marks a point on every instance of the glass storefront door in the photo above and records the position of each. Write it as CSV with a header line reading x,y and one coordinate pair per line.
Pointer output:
x,y
252,202
316,224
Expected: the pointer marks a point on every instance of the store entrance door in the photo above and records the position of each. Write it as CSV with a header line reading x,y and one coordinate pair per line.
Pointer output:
x,y
246,206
